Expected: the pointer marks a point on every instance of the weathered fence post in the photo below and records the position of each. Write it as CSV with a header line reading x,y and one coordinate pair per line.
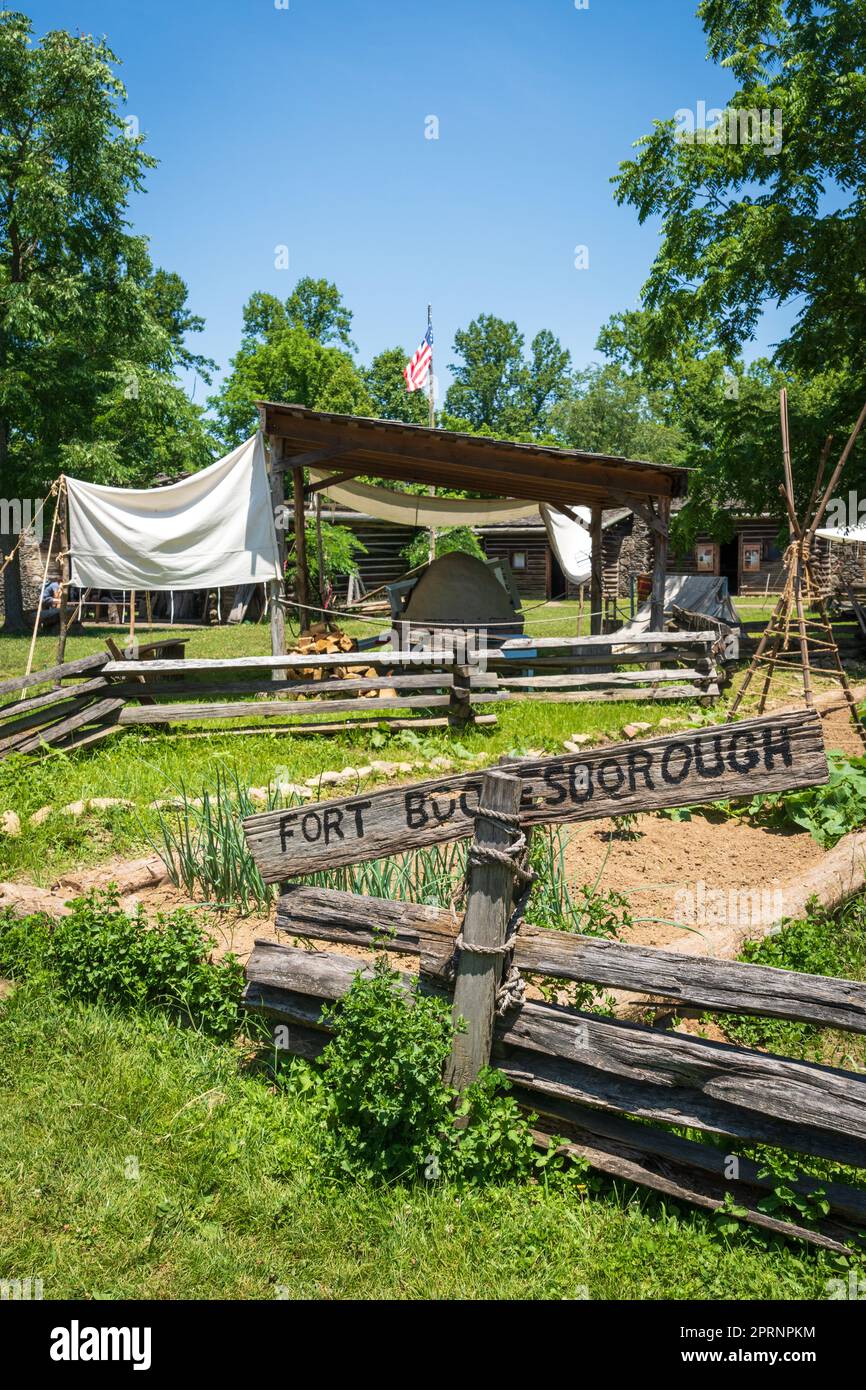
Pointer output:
x,y
488,904
460,707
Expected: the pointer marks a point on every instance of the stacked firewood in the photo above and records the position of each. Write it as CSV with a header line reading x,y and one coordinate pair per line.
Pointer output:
x,y
325,637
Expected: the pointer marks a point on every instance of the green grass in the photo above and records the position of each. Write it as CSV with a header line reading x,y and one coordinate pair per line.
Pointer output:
x,y
244,639
144,766
821,943
228,1204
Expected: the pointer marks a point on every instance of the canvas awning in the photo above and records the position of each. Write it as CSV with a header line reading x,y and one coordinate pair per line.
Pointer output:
x,y
569,540
849,535
211,530
410,509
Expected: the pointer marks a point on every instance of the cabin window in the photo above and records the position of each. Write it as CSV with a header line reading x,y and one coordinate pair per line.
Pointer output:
x,y
518,559
751,557
706,557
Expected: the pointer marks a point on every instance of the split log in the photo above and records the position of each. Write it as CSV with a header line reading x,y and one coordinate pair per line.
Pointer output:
x,y
617,695
611,639
55,673
414,660
179,689
676,1079
274,709
101,712
337,727
16,730
723,986
36,702
684,1180
621,1067
608,678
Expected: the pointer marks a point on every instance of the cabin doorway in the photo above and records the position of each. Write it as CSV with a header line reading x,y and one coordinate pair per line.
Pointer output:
x,y
729,564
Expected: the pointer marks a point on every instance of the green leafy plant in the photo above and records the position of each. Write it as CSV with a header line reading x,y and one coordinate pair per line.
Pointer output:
x,y
827,812
340,551
824,942
383,1100
625,826
386,1112
785,1201
448,539
99,954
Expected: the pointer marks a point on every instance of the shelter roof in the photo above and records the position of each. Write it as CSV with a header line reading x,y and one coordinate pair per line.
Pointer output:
x,y
443,458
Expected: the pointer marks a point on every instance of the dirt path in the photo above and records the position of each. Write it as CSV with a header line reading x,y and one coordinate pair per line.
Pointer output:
x,y
710,872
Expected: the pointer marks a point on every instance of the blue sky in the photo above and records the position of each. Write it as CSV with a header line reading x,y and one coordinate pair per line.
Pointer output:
x,y
305,127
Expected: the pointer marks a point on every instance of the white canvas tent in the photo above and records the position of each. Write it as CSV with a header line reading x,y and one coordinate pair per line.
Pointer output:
x,y
699,593
848,535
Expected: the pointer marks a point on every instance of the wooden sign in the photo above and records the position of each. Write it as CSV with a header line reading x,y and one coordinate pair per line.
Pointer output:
x,y
775,753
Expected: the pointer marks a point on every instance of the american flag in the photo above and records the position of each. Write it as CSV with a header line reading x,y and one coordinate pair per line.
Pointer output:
x,y
417,370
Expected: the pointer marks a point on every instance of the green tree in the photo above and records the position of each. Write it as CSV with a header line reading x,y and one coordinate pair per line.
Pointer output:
x,y
611,412
764,212
88,330
496,388
288,366
316,306
448,539
725,420
386,386
489,377
548,380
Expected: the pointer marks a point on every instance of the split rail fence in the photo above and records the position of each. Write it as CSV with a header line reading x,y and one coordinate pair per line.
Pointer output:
x,y
97,694
605,1088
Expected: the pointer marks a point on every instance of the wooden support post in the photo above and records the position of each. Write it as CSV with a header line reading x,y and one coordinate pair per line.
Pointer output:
x,y
63,529
277,587
487,909
801,628
460,708
320,555
596,583
660,564
302,579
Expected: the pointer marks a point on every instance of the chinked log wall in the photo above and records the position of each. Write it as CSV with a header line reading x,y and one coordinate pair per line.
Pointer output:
x,y
410,689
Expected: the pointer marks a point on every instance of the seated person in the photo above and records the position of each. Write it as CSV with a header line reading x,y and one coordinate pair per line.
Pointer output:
x,y
49,607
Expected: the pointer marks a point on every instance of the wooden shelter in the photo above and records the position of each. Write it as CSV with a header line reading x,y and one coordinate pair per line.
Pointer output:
x,y
563,478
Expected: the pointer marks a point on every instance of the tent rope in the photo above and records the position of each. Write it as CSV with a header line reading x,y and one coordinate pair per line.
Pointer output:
x,y
20,541
55,488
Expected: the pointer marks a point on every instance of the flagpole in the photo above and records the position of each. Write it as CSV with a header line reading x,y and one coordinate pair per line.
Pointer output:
x,y
431,555
430,378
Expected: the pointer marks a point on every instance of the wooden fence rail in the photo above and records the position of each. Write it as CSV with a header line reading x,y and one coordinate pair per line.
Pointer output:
x,y
696,982
157,685
591,1079
590,1072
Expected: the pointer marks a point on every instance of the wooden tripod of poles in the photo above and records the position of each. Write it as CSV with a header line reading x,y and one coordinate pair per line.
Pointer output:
x,y
800,593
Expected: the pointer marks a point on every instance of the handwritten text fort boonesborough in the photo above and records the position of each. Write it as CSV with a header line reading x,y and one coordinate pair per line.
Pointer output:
x,y
561,784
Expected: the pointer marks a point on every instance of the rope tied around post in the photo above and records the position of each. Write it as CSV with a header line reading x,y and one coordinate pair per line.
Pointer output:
x,y
512,987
